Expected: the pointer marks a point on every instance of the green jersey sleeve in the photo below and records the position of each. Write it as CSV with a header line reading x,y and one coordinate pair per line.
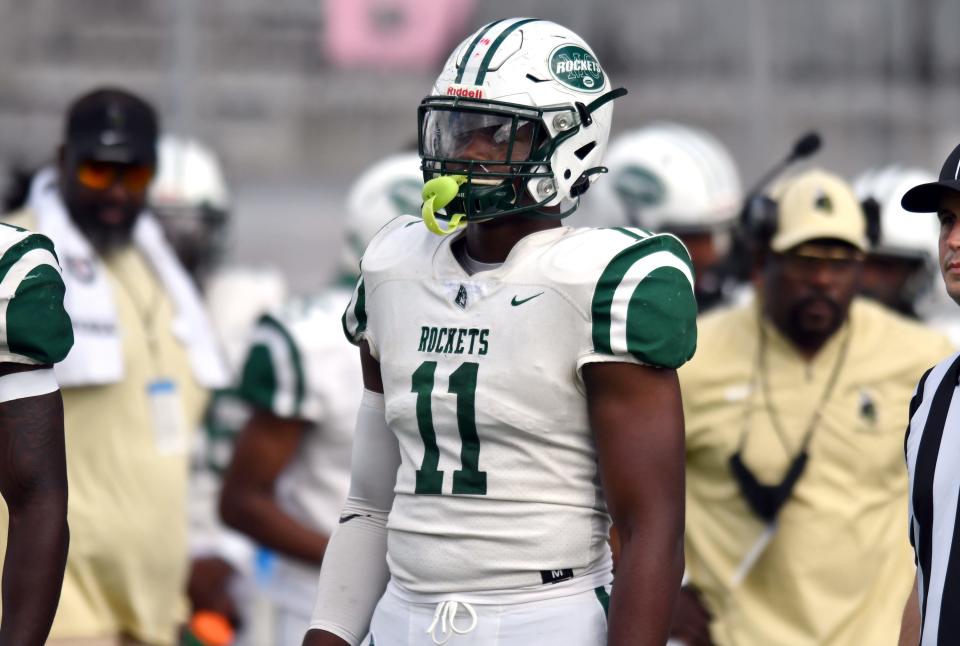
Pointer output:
x,y
273,376
36,327
643,304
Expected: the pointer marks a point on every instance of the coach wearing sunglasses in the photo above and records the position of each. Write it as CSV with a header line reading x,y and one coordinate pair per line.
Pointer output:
x,y
134,383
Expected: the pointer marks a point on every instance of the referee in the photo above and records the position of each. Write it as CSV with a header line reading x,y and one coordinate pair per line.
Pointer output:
x,y
932,615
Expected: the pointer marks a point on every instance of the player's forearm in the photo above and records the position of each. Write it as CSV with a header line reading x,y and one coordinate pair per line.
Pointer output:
x,y
36,557
258,515
645,588
33,481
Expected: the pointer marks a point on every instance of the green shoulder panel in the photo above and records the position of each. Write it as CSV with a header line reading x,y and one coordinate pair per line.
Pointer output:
x,y
643,304
37,325
273,376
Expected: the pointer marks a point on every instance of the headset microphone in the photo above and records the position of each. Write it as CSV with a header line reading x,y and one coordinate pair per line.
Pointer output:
x,y
803,147
758,217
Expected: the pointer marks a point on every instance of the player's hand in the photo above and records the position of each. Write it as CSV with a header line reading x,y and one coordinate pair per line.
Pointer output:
x,y
209,587
691,621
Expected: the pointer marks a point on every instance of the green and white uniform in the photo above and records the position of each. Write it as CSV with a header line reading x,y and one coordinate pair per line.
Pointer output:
x,y
498,492
34,326
300,367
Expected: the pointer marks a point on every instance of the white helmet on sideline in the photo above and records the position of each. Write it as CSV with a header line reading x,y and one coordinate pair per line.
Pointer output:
x,y
902,234
667,176
189,196
388,189
902,267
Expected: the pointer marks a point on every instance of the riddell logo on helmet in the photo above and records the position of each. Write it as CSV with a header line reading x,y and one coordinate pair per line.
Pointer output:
x,y
465,91
575,67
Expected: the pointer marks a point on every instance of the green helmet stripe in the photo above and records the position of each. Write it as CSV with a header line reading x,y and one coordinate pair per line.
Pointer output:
x,y
485,63
473,45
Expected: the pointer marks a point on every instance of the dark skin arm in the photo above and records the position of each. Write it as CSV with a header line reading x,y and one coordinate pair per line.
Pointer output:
x,y
248,502
691,621
373,381
33,482
637,420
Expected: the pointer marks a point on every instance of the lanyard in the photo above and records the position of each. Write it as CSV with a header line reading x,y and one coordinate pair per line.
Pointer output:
x,y
761,378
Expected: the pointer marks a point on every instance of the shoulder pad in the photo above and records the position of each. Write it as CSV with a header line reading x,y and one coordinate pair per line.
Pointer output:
x,y
638,288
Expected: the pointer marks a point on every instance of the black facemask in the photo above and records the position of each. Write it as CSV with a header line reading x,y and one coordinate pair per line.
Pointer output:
x,y
766,500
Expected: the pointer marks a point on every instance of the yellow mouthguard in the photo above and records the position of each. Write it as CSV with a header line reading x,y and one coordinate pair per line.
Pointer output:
x,y
437,193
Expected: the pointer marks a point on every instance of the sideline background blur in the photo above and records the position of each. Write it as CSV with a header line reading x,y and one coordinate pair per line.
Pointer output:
x,y
298,96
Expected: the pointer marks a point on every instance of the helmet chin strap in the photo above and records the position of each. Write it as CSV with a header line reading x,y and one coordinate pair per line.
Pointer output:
x,y
437,193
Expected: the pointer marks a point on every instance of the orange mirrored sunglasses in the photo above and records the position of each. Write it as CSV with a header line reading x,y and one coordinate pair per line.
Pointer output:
x,y
99,176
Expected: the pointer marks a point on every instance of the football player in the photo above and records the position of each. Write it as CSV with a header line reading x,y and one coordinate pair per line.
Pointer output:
x,y
520,385
35,334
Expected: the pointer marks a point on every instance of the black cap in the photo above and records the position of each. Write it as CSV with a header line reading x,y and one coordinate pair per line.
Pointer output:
x,y
927,198
112,125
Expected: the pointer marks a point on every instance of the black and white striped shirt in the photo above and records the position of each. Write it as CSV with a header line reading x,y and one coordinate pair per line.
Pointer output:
x,y
932,449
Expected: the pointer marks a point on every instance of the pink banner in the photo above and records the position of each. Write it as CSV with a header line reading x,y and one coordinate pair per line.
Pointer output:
x,y
394,34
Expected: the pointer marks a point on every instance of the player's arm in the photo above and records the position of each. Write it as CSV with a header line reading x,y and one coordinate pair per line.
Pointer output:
x,y
248,499
276,386
910,622
33,482
354,572
637,420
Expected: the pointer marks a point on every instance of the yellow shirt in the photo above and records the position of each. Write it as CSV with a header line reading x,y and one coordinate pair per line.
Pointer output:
x,y
128,557
839,567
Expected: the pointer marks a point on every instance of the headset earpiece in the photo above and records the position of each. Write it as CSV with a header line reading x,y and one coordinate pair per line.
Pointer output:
x,y
871,209
759,221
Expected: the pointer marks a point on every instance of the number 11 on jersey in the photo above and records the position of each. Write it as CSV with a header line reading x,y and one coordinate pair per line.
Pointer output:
x,y
463,383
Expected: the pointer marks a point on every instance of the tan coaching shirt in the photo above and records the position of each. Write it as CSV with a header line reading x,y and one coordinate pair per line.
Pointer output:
x,y
839,567
127,469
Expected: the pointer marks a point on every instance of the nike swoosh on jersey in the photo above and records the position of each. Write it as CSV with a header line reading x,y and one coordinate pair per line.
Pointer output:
x,y
516,302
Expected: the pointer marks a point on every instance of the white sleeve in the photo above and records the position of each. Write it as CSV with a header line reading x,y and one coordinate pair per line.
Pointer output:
x,y
354,572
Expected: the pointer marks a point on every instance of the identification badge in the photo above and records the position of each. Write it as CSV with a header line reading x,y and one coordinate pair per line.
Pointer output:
x,y
166,412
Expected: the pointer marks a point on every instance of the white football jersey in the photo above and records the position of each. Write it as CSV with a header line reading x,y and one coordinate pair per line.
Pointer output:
x,y
499,489
300,367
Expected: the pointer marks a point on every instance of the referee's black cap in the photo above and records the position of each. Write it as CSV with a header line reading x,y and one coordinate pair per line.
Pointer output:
x,y
927,198
112,125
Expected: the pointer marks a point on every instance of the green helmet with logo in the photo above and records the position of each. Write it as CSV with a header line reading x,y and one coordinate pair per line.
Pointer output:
x,y
535,89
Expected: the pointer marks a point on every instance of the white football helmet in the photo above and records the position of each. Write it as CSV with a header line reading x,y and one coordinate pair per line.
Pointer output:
x,y
189,196
388,189
902,234
667,177
902,238
535,91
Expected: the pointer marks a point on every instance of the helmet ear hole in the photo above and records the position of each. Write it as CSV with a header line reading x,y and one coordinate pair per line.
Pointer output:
x,y
584,150
566,174
871,209
580,186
